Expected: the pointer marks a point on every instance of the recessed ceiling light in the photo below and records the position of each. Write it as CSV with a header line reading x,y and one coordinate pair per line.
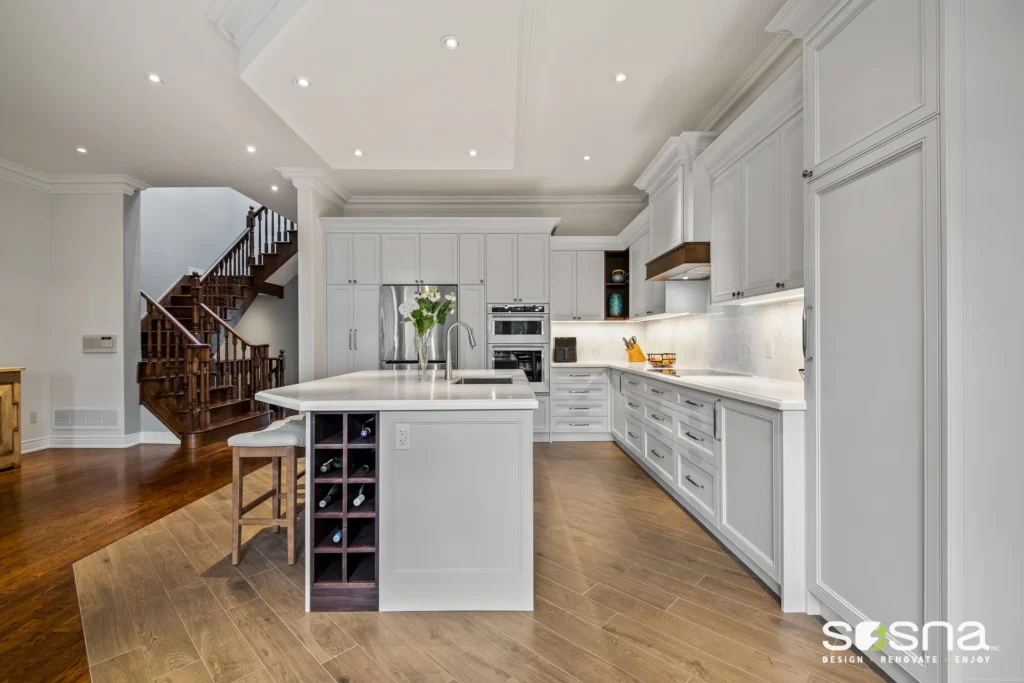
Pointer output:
x,y
302,82
686,277
450,42
586,157
472,152
250,149
620,77
273,188
154,78
358,152
81,150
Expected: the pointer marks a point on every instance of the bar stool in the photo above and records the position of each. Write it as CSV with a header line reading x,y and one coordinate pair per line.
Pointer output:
x,y
283,442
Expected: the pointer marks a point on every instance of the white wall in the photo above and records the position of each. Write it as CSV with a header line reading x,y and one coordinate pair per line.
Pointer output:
x,y
132,330
276,322
24,291
728,338
187,226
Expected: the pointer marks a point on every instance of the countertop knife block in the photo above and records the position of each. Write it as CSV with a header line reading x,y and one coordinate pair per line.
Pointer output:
x,y
636,354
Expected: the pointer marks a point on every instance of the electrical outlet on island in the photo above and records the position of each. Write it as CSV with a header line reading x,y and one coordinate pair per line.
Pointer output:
x,y
769,348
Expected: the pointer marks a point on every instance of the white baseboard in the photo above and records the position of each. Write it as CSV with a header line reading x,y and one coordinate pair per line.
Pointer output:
x,y
33,445
165,438
590,436
541,437
98,441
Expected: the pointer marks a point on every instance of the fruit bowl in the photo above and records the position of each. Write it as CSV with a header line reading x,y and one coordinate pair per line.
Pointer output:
x,y
661,360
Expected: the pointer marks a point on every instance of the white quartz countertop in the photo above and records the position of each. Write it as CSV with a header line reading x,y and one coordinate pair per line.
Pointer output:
x,y
770,393
383,390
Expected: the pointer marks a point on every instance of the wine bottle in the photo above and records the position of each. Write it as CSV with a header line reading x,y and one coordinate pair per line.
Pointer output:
x,y
366,429
329,465
336,538
363,470
334,491
358,500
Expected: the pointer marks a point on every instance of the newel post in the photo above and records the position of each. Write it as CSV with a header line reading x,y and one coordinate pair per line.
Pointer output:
x,y
195,289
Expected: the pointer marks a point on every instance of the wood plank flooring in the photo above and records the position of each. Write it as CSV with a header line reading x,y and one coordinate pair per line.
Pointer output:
x,y
627,588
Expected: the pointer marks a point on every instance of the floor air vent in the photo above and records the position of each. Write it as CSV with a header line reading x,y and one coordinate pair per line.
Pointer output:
x,y
86,418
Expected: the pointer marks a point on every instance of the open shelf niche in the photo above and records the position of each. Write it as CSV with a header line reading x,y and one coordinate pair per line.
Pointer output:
x,y
343,572
616,260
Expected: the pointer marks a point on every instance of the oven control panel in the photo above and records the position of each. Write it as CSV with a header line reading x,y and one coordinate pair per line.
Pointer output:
x,y
518,308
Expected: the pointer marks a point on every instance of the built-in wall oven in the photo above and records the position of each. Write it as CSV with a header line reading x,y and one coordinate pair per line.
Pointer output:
x,y
518,337
533,360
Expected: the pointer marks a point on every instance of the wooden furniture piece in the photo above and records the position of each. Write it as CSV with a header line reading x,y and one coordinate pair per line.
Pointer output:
x,y
10,418
343,575
283,444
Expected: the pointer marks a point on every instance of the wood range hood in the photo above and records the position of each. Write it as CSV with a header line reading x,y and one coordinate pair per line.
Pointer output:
x,y
688,261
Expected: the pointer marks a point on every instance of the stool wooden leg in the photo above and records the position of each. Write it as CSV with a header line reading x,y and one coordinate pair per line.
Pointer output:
x,y
275,500
236,506
291,474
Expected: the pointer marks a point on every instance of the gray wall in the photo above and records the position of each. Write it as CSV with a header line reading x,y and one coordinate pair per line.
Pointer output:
x,y
187,226
132,329
276,322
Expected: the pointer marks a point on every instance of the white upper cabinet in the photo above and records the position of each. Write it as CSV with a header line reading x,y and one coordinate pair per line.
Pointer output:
x,y
430,258
871,71
668,182
517,268
439,258
472,259
400,258
352,258
645,297
577,285
471,309
756,196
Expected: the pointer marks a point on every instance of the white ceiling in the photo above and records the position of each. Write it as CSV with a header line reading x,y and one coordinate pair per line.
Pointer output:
x,y
531,87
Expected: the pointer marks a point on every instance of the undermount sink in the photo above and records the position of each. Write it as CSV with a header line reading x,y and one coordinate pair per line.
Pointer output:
x,y
483,380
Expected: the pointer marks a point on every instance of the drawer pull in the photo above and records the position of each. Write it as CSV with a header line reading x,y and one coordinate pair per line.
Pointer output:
x,y
632,435
695,438
579,375
632,405
580,391
692,403
575,408
657,391
635,384
656,453
655,416
579,424
687,477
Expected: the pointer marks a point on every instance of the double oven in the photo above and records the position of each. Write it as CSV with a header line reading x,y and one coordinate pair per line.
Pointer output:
x,y
518,337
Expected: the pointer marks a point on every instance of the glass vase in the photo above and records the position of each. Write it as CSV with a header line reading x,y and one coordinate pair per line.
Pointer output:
x,y
422,346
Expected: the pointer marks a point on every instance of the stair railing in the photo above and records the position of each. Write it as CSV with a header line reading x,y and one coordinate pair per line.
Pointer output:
x,y
179,356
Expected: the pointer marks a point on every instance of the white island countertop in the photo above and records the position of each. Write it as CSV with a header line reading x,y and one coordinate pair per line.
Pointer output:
x,y
770,393
385,390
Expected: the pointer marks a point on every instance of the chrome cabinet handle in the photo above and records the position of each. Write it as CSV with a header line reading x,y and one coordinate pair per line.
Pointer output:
x,y
632,435
579,424
579,375
695,438
579,391
718,420
350,340
657,453
689,402
807,359
687,478
657,391
355,339
631,404
654,416
629,381
574,408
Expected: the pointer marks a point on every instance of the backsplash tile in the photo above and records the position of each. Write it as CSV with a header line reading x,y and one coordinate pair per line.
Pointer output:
x,y
728,338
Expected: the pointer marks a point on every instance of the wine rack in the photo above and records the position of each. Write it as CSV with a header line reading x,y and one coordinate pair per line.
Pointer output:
x,y
343,574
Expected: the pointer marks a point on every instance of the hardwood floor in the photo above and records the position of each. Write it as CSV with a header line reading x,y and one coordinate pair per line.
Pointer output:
x,y
628,588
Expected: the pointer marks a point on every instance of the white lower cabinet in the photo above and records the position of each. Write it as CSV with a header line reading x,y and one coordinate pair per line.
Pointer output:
x,y
618,406
542,415
353,330
698,481
580,404
660,456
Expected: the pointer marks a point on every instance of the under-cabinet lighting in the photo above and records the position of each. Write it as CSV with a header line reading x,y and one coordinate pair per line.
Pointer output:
x,y
772,301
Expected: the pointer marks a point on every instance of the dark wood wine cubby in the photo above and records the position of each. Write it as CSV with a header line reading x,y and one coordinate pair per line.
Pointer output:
x,y
343,576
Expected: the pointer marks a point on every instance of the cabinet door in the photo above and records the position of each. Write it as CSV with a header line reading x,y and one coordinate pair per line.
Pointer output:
x,y
751,470
760,218
338,258
439,259
366,327
366,258
877,214
791,222
340,326
542,415
666,204
870,73
472,259
502,254
726,233
655,296
471,308
563,285
400,259
618,407
534,257
637,279
590,285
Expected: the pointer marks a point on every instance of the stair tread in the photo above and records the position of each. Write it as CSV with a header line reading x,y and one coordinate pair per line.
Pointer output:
x,y
220,404
235,420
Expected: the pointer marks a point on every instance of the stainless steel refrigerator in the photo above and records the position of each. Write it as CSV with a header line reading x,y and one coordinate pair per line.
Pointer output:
x,y
398,339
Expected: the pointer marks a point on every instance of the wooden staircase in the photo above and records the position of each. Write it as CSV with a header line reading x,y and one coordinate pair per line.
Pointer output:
x,y
198,375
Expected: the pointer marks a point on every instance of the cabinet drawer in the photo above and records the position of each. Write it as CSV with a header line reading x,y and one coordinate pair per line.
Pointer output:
x,y
695,438
659,420
697,420
700,405
580,408
634,406
698,481
659,391
660,456
579,392
635,436
698,454
578,375
580,425
632,383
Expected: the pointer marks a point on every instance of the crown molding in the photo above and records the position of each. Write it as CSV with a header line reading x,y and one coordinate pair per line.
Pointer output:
x,y
636,228
460,224
760,65
69,184
587,243
680,150
799,17
318,180
497,203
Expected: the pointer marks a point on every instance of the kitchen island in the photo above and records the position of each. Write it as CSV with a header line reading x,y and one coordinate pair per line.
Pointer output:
x,y
419,492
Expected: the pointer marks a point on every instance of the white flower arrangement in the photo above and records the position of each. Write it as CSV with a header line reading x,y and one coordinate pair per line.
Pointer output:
x,y
427,310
